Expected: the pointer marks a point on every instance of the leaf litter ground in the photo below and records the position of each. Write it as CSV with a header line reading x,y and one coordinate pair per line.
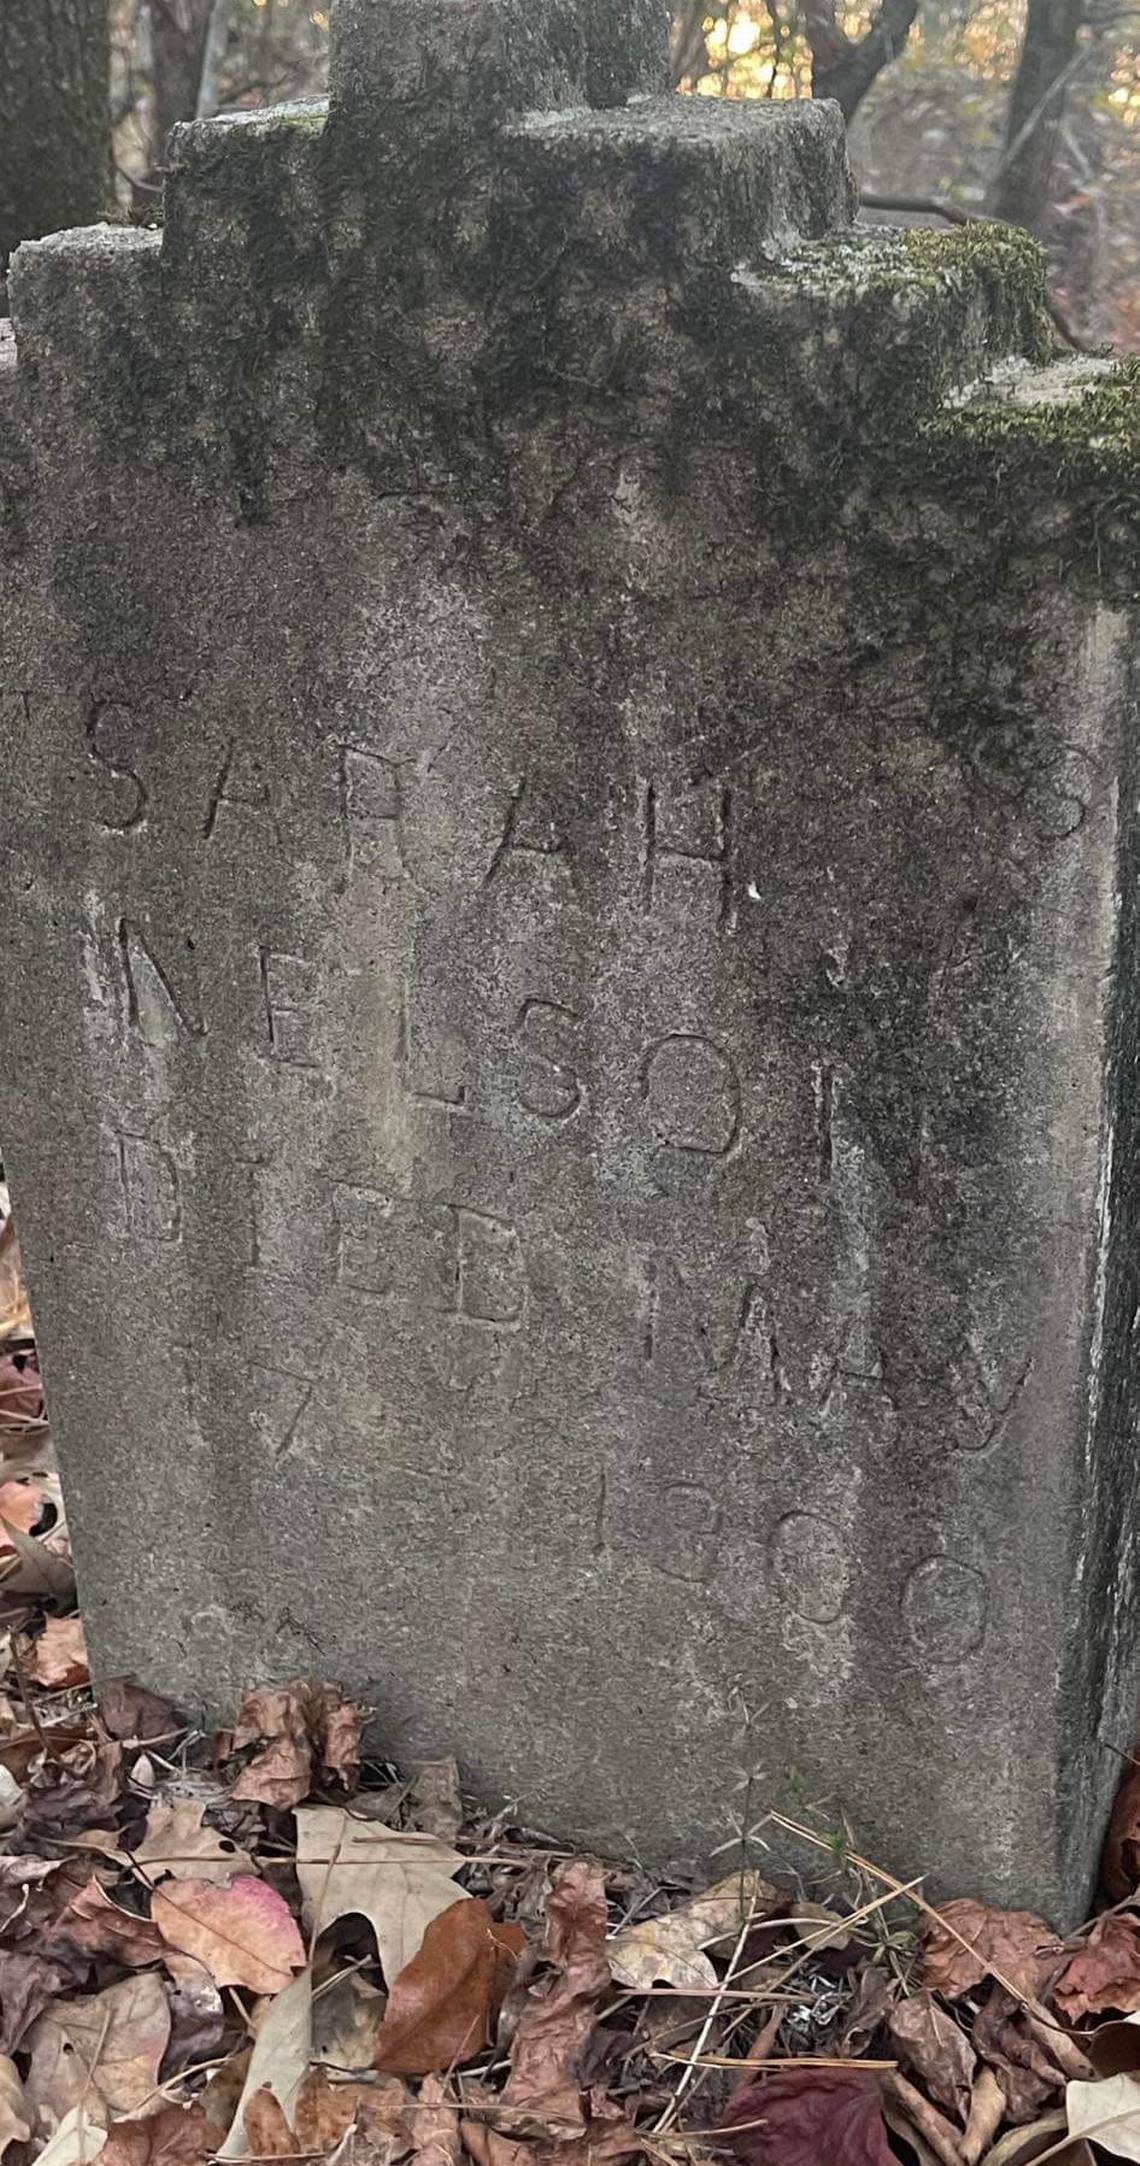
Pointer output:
x,y
260,1945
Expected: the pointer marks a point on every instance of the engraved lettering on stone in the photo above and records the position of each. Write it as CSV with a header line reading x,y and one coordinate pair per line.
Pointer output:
x,y
706,1323
151,1189
664,850
160,1002
981,1413
529,836
945,1606
757,1349
552,1087
691,1092
281,1399
431,1072
366,1252
823,1083
239,788
809,1564
487,1279
371,796
111,729
289,996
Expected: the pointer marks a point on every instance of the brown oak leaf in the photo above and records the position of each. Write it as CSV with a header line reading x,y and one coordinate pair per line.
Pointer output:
x,y
1105,1974
443,2004
174,2136
935,2048
543,2093
1011,1945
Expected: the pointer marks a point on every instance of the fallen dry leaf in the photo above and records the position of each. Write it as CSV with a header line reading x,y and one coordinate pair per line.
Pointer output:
x,y
129,1712
1105,1973
107,2046
95,1925
1022,1948
78,2140
174,2136
81,1788
21,1506
436,1801
325,2112
299,1731
936,2050
15,1315
28,1984
809,2115
1107,2111
668,1950
277,2064
21,1392
58,1658
197,2013
267,2132
434,2126
346,2021
398,1881
543,2093
1120,1857
1028,2075
15,2113
1045,2139
42,1564
244,1934
177,1842
443,2005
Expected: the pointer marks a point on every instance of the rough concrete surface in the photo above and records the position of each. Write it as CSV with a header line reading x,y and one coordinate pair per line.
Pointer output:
x,y
569,974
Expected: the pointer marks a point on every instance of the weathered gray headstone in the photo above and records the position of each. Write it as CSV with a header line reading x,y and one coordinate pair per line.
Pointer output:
x,y
569,995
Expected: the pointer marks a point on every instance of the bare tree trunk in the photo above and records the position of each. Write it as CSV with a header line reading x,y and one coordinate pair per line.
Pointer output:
x,y
844,68
55,118
214,58
178,43
1049,56
688,53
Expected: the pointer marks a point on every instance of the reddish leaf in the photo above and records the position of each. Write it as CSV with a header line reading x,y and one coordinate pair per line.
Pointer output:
x,y
174,2136
808,2115
244,1934
443,2004
1120,1858
1104,1974
1010,1945
543,2093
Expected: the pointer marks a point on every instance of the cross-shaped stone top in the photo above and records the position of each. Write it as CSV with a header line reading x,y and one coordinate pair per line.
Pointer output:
x,y
496,55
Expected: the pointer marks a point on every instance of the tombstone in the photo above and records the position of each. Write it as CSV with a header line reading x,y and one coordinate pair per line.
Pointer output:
x,y
569,991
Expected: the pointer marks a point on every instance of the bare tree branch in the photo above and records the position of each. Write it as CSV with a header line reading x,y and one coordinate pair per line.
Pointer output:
x,y
844,68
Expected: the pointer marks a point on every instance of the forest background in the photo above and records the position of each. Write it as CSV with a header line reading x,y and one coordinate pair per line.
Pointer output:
x,y
1022,109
